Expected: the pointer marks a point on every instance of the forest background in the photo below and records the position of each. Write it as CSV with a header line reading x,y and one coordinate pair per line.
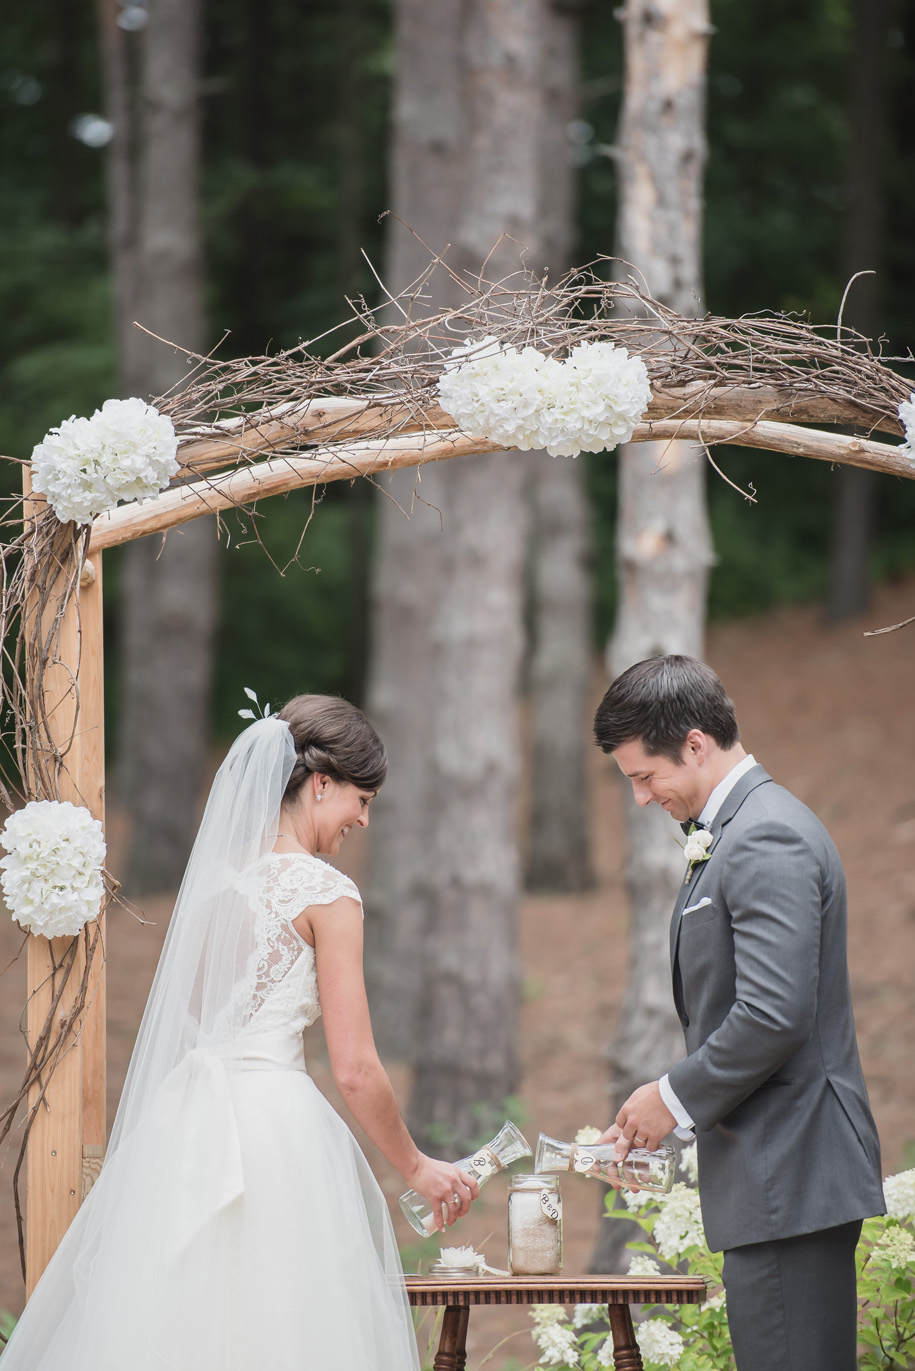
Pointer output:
x,y
295,174
296,110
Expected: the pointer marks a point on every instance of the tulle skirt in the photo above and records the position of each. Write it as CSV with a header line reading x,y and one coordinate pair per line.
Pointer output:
x,y
238,1229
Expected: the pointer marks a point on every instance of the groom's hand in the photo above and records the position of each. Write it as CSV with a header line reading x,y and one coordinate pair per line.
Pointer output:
x,y
642,1121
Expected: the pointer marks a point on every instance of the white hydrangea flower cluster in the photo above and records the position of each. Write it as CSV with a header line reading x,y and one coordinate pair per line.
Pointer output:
x,y
689,1163
523,398
896,1248
641,1264
907,415
584,1314
899,1193
659,1343
126,451
554,1336
605,1355
678,1226
52,873
588,1134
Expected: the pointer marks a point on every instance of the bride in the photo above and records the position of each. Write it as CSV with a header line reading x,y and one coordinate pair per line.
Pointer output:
x,y
236,1224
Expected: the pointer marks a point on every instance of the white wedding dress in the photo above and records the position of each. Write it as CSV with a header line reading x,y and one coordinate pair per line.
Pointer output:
x,y
237,1226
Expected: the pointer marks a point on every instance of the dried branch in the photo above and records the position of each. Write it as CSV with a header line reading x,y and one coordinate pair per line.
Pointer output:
x,y
381,384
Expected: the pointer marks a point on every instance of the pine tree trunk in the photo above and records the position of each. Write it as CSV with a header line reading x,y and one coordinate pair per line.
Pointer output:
x,y
855,489
169,590
426,172
558,849
558,857
663,542
466,1059
466,1063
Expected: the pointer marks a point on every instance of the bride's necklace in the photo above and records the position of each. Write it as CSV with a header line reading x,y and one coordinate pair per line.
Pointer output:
x,y
290,837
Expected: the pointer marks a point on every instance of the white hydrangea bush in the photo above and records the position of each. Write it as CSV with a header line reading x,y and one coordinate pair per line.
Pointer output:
x,y
896,1249
691,1336
899,1194
554,1336
659,1343
127,450
520,397
52,871
642,1265
689,1163
583,1314
678,1227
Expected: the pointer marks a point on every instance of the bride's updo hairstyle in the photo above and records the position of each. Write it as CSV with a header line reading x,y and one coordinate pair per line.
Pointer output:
x,y
334,738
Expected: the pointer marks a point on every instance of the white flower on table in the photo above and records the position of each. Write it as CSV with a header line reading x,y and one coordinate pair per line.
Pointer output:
x,y
460,1256
52,871
588,1134
84,467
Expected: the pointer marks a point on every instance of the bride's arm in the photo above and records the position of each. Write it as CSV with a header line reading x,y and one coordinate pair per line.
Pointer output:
x,y
336,933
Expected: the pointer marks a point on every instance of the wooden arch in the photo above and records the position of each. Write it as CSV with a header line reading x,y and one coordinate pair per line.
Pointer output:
x,y
306,436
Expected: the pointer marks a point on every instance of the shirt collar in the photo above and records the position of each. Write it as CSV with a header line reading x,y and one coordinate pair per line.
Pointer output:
x,y
724,788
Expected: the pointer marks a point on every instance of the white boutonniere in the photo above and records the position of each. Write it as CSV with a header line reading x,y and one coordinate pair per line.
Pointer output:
x,y
696,848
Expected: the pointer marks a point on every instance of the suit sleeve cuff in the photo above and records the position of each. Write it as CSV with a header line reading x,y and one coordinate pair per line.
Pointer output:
x,y
684,1127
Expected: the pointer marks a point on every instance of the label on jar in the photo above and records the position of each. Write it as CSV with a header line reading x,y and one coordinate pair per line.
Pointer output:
x,y
483,1164
584,1161
551,1204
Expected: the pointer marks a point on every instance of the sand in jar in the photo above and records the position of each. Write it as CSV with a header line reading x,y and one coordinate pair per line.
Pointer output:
x,y
534,1226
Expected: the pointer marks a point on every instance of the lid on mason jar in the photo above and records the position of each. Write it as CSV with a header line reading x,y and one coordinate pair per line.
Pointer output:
x,y
440,1268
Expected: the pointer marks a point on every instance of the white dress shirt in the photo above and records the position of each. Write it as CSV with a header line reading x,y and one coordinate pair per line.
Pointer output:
x,y
711,807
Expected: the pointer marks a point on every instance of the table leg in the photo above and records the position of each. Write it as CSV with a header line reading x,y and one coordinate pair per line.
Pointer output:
x,y
452,1345
626,1354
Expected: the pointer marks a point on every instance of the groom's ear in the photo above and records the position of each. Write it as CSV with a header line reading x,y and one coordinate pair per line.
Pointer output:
x,y
696,746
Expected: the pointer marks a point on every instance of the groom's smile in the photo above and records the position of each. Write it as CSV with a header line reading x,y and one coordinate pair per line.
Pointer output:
x,y
680,789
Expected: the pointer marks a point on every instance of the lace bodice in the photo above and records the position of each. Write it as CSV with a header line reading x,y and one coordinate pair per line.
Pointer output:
x,y
281,984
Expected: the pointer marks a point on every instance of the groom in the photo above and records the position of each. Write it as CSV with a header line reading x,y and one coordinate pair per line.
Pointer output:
x,y
789,1160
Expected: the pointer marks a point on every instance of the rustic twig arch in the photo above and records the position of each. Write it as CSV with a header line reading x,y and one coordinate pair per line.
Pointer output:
x,y
260,426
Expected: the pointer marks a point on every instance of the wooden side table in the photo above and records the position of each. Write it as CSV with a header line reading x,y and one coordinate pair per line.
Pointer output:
x,y
618,1292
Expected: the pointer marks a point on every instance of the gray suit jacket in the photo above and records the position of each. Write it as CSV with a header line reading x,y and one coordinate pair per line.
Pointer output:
x,y
772,1079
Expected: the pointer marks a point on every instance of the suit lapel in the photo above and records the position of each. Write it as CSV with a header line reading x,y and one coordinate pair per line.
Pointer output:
x,y
756,776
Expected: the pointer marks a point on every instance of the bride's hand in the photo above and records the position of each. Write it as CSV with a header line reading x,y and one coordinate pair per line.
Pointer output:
x,y
448,1189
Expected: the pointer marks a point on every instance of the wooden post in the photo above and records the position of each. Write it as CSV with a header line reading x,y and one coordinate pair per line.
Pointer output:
x,y
92,787
67,1138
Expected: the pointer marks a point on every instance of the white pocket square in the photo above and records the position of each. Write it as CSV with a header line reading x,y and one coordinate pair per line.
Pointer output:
x,y
701,905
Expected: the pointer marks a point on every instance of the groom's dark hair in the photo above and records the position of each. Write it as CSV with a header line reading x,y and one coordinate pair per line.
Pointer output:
x,y
658,701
